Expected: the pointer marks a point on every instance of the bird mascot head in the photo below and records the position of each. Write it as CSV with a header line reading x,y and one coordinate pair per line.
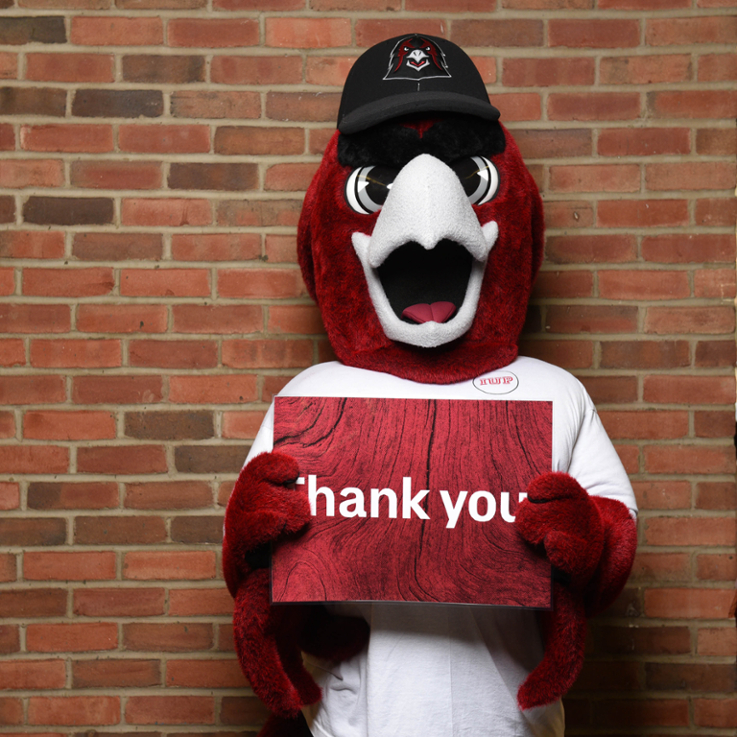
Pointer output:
x,y
422,230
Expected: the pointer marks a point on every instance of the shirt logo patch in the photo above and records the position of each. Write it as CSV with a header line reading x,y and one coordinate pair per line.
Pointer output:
x,y
499,382
416,57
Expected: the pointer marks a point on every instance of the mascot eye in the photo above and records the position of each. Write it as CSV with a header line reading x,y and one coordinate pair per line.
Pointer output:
x,y
479,178
367,188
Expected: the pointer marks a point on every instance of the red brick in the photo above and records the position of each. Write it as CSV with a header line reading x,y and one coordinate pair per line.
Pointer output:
x,y
115,175
158,69
645,354
662,494
716,495
690,459
7,282
594,106
117,389
577,249
33,459
68,138
646,69
8,571
711,677
83,353
308,33
707,104
173,354
107,602
716,211
716,567
645,640
11,711
221,319
72,637
595,178
68,425
184,637
260,5
642,213
300,319
328,70
318,139
280,248
715,354
689,248
126,530
717,68
186,710
32,532
9,641
29,389
216,247
643,141
692,531
179,566
7,425
213,32
207,104
19,174
76,566
302,106
228,389
164,139
164,283
122,459
242,710
253,140
258,70
373,4
165,212
33,603
34,101
72,495
519,105
719,283
117,246
74,710
68,282
370,32
689,389
687,603
9,495
716,712
70,67
716,141
710,320
648,425
591,319
115,673
199,674
9,65
614,713
198,602
289,177
547,144
548,72
260,283
698,30
121,318
569,214
610,389
12,352
222,177
563,284
717,641
643,285
240,213
116,31
595,34
267,353
689,176
168,495
643,4
241,424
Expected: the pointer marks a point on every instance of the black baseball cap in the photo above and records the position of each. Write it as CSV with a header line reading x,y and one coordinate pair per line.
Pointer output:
x,y
414,73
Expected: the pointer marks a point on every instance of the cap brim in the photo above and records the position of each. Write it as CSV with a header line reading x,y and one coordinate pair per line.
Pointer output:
x,y
395,106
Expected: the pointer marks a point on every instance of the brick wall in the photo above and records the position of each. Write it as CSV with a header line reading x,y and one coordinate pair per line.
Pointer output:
x,y
153,158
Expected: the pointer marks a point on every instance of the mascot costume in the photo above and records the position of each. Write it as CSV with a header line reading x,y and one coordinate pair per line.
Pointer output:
x,y
420,238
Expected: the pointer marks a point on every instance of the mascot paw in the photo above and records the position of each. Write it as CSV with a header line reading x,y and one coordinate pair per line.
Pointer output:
x,y
267,644
263,507
560,516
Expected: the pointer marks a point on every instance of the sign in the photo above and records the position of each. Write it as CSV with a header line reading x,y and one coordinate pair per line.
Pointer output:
x,y
413,500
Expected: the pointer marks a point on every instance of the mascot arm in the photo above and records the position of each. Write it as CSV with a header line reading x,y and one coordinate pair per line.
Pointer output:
x,y
590,539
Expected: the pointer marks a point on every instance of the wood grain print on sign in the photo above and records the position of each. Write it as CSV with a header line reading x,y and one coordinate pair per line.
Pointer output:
x,y
412,500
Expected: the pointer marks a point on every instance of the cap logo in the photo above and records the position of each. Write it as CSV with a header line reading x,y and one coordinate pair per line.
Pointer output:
x,y
416,57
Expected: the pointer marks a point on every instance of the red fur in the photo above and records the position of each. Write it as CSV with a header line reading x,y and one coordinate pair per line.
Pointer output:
x,y
334,277
593,540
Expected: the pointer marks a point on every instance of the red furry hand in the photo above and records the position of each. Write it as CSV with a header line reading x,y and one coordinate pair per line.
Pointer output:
x,y
559,515
263,507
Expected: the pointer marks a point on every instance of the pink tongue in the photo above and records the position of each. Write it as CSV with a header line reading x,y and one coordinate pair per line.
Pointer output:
x,y
437,311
